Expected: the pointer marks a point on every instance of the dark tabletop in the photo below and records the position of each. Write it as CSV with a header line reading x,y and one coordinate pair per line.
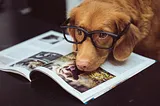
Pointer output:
x,y
140,90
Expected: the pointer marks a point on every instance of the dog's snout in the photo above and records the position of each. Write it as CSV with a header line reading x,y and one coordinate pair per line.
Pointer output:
x,y
82,64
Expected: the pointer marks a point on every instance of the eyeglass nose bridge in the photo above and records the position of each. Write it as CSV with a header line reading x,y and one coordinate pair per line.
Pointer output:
x,y
86,35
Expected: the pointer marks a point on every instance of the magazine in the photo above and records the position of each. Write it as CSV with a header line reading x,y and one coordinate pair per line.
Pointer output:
x,y
51,55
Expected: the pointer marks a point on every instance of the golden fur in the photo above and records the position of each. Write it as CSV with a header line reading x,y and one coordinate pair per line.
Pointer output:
x,y
112,16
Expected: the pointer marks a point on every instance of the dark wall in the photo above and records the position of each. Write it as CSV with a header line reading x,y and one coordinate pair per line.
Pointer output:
x,y
1,4
51,11
13,4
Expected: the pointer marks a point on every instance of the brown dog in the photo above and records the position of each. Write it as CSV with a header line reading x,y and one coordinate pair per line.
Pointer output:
x,y
113,16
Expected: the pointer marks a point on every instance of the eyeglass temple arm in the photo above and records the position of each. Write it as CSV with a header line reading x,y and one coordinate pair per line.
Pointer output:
x,y
66,22
125,30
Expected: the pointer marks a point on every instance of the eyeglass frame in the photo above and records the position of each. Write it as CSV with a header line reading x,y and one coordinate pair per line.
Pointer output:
x,y
115,37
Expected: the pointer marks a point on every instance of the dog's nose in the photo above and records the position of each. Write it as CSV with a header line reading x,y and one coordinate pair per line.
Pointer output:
x,y
82,64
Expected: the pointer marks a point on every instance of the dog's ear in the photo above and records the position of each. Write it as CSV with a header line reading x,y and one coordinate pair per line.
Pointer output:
x,y
125,45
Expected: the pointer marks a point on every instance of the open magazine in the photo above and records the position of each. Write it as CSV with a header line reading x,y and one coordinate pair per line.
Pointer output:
x,y
51,55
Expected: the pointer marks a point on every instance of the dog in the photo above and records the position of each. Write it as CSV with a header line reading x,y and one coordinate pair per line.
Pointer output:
x,y
142,35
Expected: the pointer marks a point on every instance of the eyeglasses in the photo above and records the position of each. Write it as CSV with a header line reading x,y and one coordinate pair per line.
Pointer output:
x,y
100,39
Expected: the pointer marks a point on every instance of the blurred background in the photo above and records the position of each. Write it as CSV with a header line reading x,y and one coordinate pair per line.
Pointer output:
x,y
50,11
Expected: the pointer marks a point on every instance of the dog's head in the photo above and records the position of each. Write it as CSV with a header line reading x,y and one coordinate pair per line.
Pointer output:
x,y
106,17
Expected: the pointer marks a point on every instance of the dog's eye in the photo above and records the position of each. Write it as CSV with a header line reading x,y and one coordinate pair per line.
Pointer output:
x,y
102,35
79,32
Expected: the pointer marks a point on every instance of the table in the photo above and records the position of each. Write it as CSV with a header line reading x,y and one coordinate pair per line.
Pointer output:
x,y
140,90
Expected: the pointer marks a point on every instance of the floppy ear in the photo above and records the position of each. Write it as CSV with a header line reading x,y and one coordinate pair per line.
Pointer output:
x,y
125,45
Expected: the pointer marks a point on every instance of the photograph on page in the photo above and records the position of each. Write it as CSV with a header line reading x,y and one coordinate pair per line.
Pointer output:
x,y
80,80
51,39
36,60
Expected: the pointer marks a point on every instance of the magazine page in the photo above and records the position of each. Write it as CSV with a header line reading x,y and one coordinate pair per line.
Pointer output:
x,y
64,72
88,85
24,57
122,71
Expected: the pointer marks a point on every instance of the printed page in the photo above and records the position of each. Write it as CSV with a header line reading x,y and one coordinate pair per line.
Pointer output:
x,y
32,53
14,55
86,86
64,72
118,68
37,43
124,72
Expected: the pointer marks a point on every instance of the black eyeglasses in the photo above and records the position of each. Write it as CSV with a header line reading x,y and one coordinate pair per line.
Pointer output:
x,y
100,39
